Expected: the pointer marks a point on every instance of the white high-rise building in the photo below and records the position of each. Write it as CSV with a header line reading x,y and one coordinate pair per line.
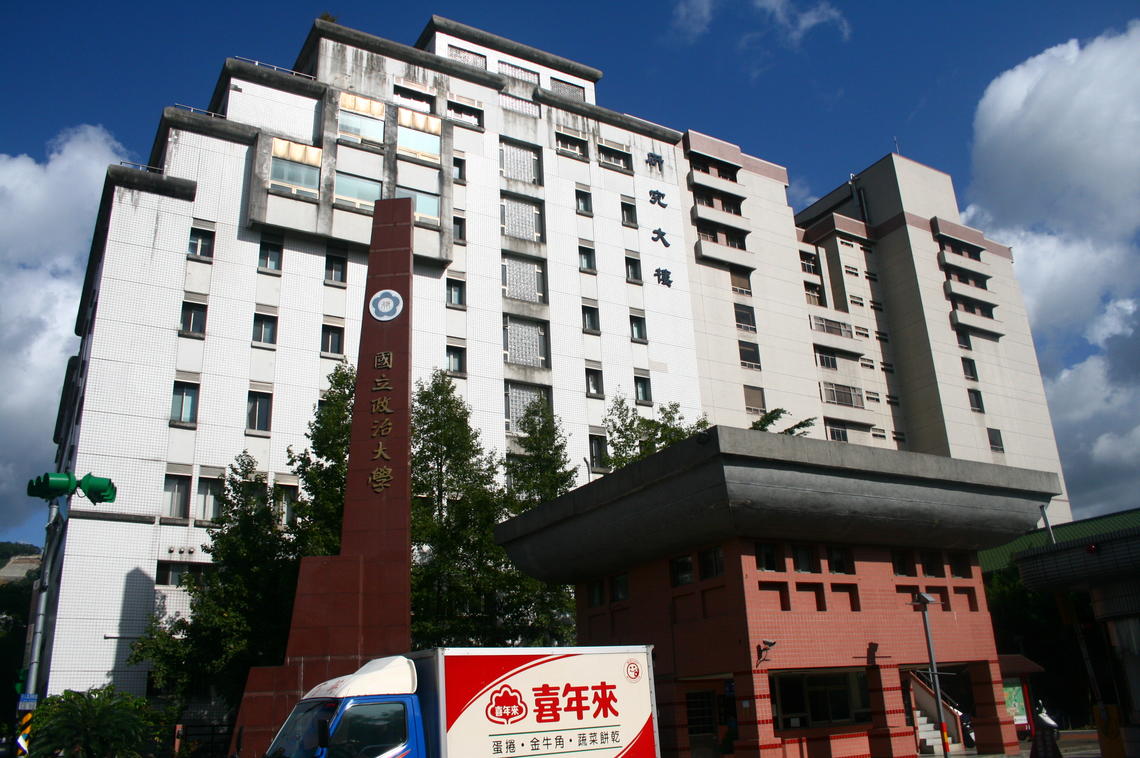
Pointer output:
x,y
562,250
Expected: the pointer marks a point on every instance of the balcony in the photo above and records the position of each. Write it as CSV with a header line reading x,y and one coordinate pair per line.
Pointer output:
x,y
717,216
946,258
725,254
970,292
712,181
974,322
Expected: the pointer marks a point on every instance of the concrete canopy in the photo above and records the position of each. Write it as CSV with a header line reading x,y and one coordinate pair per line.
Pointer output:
x,y
727,482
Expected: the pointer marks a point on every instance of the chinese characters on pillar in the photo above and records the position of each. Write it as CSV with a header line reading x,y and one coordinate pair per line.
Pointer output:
x,y
654,160
380,478
657,197
659,236
664,276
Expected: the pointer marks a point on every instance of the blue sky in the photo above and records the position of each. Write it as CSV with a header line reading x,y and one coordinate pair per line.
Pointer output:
x,y
1032,107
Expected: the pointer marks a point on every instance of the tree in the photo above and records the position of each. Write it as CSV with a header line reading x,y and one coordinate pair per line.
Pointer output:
x,y
631,436
15,603
322,467
240,607
98,723
798,429
542,473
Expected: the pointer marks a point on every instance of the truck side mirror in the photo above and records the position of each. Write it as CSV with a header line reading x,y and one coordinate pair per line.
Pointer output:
x,y
322,733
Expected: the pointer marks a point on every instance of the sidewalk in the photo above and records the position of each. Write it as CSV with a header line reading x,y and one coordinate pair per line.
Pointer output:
x,y
1076,743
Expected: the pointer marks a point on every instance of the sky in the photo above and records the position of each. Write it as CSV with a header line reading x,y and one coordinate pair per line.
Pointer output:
x,y
1032,107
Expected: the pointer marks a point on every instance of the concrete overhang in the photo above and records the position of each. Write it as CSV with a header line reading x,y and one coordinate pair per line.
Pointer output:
x,y
726,483
1082,563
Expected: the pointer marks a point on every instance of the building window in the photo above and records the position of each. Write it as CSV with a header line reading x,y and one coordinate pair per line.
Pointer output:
x,y
642,390
637,330
258,411
745,317
902,560
270,252
969,369
842,394
960,567
769,557
932,563
456,360
572,146
478,60
193,320
356,127
586,259
295,167
465,114
611,158
813,293
357,191
285,502
336,268
184,403
459,170
805,700
628,213
681,570
619,588
523,278
459,229
176,490
425,205
332,340
836,430
805,559
456,293
809,263
567,90
265,329
632,270
210,496
520,162
172,573
418,134
976,403
711,562
599,455
829,326
201,243
741,283
582,203
964,341
518,105
754,400
595,593
525,342
594,386
996,445
410,98
521,218
826,359
591,321
713,167
749,354
839,560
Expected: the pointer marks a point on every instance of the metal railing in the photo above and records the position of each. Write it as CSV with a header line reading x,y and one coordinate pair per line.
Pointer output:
x,y
203,111
280,69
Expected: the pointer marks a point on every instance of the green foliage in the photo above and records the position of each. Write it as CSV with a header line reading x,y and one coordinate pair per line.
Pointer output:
x,y
239,609
543,471
322,467
15,602
798,429
98,723
631,437
9,549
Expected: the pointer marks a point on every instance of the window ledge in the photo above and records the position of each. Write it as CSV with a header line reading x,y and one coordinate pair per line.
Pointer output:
x,y
456,374
173,521
618,169
335,283
572,154
333,356
638,282
344,205
423,223
405,155
461,242
465,124
457,306
269,271
628,226
293,196
587,214
263,345
258,433
205,523
183,424
460,182
200,258
191,335
644,402
596,395
367,146
639,340
591,331
600,469
592,271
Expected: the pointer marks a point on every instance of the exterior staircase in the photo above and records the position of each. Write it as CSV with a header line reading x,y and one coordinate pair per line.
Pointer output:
x,y
929,743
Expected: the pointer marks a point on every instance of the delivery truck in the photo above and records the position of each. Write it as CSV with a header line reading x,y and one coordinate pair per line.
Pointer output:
x,y
481,703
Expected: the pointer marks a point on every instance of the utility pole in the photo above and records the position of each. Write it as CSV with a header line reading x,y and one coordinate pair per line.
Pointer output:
x,y
923,601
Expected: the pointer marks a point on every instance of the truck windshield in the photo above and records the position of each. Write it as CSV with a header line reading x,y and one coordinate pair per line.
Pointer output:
x,y
298,738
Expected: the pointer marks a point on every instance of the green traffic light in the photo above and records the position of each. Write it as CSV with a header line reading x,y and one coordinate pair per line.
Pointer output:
x,y
50,486
98,489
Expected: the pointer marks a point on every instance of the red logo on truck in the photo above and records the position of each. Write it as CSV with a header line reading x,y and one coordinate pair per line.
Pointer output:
x,y
506,706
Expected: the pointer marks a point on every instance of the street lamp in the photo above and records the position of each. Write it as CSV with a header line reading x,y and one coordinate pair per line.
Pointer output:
x,y
922,601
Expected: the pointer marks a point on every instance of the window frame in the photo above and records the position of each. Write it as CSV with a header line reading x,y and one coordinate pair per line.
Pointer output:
x,y
181,508
178,403
336,273
638,329
192,312
271,253
642,390
262,320
595,386
332,336
201,243
259,411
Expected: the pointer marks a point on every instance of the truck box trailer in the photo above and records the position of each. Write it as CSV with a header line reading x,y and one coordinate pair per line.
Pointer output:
x,y
481,703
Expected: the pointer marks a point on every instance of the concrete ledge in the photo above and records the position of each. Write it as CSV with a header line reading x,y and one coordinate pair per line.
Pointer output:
x,y
728,482
606,116
251,72
130,518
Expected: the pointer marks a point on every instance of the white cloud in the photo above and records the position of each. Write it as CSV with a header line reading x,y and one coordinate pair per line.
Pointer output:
x,y
795,23
47,212
691,18
1056,175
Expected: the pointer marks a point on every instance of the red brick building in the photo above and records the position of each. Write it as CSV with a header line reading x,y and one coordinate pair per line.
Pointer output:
x,y
719,547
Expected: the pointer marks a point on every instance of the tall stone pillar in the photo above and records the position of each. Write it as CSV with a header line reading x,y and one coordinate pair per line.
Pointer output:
x,y
889,735
993,726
